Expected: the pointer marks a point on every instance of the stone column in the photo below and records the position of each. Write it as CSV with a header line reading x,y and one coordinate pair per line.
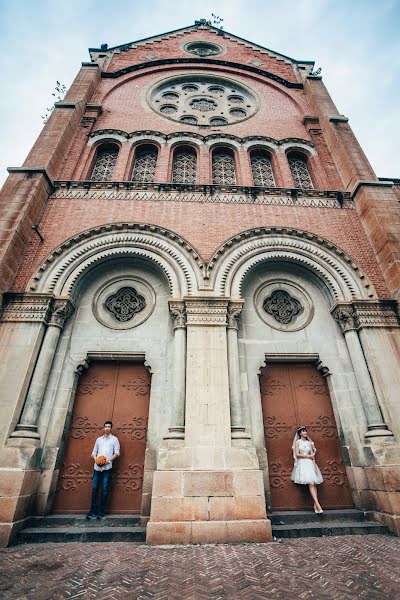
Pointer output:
x,y
346,317
237,427
178,313
26,432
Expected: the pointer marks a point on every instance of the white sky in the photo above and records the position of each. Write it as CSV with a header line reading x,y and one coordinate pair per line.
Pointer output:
x,y
357,44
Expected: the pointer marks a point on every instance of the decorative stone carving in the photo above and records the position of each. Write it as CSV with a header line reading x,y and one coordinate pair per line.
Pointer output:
x,y
203,48
233,314
178,313
28,308
206,311
167,192
61,311
345,316
125,304
210,96
282,306
376,313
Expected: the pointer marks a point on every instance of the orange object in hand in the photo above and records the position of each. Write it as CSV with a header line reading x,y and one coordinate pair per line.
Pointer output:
x,y
101,461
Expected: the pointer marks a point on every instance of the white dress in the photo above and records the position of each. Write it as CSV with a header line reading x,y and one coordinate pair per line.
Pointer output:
x,y
305,470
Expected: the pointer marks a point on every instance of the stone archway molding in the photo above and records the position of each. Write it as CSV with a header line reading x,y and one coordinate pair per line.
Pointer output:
x,y
66,265
230,264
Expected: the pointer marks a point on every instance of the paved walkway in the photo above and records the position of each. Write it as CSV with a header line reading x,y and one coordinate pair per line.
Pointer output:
x,y
366,567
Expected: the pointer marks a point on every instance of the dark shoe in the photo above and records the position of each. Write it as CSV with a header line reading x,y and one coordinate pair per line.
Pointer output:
x,y
101,516
91,516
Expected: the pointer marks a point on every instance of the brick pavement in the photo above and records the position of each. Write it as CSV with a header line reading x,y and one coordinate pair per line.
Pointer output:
x,y
347,567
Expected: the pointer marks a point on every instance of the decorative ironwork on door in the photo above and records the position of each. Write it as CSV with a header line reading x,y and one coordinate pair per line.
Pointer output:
x,y
119,391
294,395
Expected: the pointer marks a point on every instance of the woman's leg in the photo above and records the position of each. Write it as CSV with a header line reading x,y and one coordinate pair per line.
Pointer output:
x,y
313,491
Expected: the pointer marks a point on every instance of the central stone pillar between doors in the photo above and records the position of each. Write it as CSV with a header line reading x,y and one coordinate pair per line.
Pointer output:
x,y
205,490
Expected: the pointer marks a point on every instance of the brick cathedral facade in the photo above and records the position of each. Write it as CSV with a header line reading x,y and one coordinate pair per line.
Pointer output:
x,y
198,236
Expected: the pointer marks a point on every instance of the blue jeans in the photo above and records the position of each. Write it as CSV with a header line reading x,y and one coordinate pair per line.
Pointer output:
x,y
100,478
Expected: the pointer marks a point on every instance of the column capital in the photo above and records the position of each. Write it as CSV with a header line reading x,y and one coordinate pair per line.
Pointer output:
x,y
178,313
207,311
344,314
234,310
62,309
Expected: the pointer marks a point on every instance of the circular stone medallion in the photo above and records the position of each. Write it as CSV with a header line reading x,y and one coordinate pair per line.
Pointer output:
x,y
123,303
284,306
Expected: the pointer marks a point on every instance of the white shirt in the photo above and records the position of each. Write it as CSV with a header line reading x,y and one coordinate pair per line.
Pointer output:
x,y
105,446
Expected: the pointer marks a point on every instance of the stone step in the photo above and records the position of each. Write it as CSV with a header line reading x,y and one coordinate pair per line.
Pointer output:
x,y
90,533
131,520
328,528
289,517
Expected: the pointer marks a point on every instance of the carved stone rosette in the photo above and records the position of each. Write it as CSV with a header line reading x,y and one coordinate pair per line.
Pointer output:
x,y
366,313
233,314
26,308
61,311
178,313
207,311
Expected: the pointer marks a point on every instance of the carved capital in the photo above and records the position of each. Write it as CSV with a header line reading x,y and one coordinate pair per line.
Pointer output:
x,y
345,316
206,311
61,311
178,313
26,308
233,314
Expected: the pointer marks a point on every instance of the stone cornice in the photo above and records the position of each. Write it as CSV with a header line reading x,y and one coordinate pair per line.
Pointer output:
x,y
33,171
206,311
36,308
367,183
234,194
26,308
366,313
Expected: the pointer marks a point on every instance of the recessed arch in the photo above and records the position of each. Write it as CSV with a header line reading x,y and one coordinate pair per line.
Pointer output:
x,y
339,274
65,267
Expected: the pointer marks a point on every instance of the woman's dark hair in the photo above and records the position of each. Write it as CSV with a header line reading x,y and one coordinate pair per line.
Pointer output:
x,y
107,423
300,429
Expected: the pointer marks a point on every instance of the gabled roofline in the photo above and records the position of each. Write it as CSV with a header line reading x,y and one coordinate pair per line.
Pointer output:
x,y
211,27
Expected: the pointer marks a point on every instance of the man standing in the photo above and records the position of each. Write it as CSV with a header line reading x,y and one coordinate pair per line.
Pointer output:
x,y
106,450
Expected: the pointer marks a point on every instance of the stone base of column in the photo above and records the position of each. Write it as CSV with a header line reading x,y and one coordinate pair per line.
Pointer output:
x,y
24,435
202,507
176,432
380,430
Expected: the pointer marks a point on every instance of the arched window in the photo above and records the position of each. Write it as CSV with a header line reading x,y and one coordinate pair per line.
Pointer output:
x,y
261,167
223,167
105,162
299,169
144,169
184,165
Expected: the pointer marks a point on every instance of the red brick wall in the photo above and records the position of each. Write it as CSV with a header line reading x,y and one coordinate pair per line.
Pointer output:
x,y
204,226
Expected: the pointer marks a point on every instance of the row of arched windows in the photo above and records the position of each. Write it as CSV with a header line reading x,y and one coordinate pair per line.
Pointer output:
x,y
184,166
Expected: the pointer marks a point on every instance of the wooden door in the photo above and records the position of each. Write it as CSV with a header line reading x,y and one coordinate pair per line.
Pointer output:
x,y
294,395
120,392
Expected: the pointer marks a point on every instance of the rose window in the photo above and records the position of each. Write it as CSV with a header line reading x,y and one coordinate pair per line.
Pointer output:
x,y
202,101
203,49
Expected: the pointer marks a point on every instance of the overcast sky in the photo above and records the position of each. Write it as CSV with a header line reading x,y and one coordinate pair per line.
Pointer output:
x,y
357,44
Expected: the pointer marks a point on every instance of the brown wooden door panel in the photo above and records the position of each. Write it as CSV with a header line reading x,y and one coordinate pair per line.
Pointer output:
x,y
294,395
119,392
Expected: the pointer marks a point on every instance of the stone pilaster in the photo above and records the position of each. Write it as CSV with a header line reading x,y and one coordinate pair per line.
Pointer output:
x,y
207,491
178,313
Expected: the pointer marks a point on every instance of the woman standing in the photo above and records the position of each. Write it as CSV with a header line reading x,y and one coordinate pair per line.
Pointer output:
x,y
305,470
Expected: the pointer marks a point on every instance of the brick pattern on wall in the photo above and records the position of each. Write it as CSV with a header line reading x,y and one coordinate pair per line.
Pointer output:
x,y
204,226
